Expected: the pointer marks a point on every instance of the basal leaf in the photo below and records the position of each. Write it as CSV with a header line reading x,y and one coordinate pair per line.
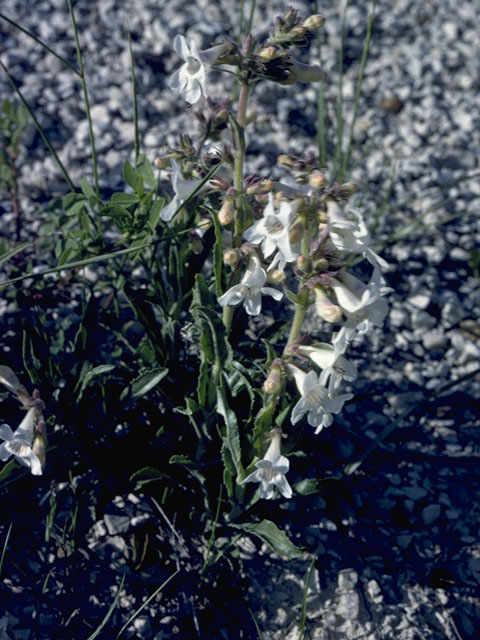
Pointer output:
x,y
276,539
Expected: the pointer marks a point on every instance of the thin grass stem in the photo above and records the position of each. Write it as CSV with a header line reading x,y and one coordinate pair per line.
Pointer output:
x,y
39,128
41,43
5,545
341,53
358,91
87,108
147,601
99,629
303,617
135,102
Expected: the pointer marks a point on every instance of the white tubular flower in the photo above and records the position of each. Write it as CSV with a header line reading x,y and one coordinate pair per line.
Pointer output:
x,y
315,400
363,303
325,308
250,290
335,366
19,443
271,470
190,79
271,231
182,189
351,236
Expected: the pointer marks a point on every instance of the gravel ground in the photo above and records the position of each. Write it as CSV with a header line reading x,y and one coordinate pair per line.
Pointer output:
x,y
397,543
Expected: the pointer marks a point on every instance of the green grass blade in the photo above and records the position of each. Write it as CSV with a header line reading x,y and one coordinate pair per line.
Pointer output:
x,y
358,91
341,53
134,94
41,43
14,251
112,607
149,599
259,633
38,126
5,545
303,618
87,106
321,106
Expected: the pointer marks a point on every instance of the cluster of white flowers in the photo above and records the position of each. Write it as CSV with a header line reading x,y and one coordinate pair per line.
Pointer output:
x,y
339,295
304,226
26,443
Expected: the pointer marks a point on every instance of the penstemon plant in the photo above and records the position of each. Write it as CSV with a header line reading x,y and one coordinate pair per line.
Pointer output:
x,y
201,272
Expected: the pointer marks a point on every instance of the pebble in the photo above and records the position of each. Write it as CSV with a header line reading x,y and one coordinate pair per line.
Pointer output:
x,y
420,300
431,513
434,340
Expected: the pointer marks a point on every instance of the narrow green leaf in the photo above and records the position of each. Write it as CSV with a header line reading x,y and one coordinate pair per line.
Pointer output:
x,y
232,435
13,252
154,215
88,377
277,540
147,381
109,612
129,175
217,255
125,199
144,169
146,475
180,459
88,191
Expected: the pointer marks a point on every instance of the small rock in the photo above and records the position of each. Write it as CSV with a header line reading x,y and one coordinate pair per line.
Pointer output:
x,y
415,492
434,340
420,300
431,513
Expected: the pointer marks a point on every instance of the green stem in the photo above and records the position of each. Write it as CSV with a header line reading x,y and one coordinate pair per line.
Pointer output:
x,y
298,318
38,126
238,126
134,94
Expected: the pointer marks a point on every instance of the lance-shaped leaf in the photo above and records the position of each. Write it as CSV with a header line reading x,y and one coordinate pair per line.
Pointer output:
x,y
276,539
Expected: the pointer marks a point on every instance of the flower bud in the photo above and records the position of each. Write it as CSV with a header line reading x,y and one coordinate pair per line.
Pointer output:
x,y
346,190
266,54
273,383
259,187
316,180
297,33
39,448
314,23
322,217
303,263
287,161
251,116
276,276
226,215
231,257
324,306
296,231
321,264
162,162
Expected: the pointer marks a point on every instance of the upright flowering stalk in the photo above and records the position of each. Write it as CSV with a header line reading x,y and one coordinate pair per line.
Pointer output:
x,y
271,470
